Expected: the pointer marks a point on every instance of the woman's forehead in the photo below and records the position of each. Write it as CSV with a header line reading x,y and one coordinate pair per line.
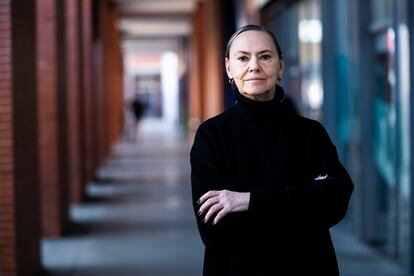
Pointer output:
x,y
252,41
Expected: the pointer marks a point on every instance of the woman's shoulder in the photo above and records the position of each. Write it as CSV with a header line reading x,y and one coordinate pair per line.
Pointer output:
x,y
308,125
308,122
216,122
209,133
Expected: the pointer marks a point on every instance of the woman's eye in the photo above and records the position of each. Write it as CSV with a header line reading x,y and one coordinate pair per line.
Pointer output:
x,y
265,57
242,58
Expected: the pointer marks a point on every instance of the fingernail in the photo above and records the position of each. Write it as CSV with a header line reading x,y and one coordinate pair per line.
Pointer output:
x,y
205,220
199,213
198,201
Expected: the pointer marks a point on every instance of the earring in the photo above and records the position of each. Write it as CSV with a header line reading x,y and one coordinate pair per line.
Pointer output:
x,y
231,81
279,77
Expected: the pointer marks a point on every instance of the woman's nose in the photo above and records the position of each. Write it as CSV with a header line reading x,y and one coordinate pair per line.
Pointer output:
x,y
254,66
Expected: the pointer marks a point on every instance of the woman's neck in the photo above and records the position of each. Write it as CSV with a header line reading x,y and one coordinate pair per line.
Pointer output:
x,y
266,96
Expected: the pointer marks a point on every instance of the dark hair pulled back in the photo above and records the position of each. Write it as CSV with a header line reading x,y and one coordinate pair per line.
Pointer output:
x,y
257,28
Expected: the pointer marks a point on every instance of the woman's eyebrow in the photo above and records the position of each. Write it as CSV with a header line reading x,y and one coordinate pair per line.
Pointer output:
x,y
248,53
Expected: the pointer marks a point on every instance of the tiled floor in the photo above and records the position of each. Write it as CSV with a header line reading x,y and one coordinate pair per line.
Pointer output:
x,y
139,219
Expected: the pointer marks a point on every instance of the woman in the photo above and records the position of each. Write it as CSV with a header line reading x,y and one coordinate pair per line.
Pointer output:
x,y
267,183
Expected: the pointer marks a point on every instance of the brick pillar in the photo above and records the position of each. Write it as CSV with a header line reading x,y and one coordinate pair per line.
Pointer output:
x,y
197,69
7,210
62,109
213,86
68,99
107,78
113,75
100,108
85,89
73,101
206,90
19,185
54,212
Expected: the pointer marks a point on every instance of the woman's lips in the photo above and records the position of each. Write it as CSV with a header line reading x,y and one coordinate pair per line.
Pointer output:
x,y
255,79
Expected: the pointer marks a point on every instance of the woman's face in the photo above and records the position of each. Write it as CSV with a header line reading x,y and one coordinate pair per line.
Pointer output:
x,y
254,64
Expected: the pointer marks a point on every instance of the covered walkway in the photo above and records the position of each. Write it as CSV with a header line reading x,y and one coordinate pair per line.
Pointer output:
x,y
138,219
80,194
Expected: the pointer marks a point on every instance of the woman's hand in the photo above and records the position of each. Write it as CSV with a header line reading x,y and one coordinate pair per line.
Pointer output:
x,y
217,204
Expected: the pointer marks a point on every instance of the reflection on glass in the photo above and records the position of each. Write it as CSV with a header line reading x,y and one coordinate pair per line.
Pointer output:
x,y
385,134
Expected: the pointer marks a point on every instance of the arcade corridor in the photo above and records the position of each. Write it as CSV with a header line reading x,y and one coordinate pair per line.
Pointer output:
x,y
82,195
138,219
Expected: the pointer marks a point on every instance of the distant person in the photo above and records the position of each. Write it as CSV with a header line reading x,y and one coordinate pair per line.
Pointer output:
x,y
266,183
138,109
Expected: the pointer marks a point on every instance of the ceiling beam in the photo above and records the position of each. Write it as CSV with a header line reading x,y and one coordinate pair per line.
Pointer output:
x,y
156,16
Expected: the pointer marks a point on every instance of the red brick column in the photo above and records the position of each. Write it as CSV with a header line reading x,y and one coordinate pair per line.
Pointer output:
x,y
197,69
73,101
213,86
98,108
98,86
19,185
206,90
85,89
52,206
113,74
107,79
104,97
7,210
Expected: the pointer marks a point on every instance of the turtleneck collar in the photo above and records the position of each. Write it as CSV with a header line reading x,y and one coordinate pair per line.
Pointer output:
x,y
252,110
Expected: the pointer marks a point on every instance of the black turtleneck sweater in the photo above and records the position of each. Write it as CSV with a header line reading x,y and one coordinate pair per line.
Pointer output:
x,y
276,155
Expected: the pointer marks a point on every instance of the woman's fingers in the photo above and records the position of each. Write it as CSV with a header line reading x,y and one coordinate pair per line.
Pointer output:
x,y
212,203
207,204
218,204
212,211
220,215
206,196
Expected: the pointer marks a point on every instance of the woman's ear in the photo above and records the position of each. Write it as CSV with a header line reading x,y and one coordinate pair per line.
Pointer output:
x,y
227,64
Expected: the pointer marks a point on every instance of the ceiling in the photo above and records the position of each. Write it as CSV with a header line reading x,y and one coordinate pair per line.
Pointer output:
x,y
153,25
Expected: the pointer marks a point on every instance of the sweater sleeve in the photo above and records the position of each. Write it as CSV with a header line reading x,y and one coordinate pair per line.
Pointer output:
x,y
321,202
206,175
